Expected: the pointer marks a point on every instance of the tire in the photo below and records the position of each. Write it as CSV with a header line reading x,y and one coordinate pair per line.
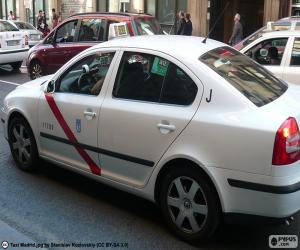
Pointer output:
x,y
22,144
35,69
189,204
16,65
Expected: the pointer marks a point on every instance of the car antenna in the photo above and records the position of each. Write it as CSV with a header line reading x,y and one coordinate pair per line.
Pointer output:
x,y
219,17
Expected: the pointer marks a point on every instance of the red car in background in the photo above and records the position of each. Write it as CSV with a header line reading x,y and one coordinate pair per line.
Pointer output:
x,y
80,32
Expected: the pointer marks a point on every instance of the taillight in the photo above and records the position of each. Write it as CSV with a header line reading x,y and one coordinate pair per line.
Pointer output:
x,y
287,143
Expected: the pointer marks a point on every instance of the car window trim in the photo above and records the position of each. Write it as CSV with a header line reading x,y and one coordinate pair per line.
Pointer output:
x,y
173,60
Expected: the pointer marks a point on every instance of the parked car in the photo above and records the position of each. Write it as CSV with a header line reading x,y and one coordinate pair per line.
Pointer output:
x,y
32,34
287,23
279,52
79,32
198,128
13,45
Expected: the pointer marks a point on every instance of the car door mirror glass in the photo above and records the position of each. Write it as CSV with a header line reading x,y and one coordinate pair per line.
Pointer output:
x,y
263,52
51,87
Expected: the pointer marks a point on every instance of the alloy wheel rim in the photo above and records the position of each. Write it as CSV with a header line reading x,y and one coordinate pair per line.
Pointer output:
x,y
21,144
187,204
36,70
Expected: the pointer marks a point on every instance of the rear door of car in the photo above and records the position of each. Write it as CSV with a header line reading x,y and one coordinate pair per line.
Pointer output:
x,y
151,99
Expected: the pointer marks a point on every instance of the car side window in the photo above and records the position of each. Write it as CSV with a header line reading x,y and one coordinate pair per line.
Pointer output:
x,y
268,52
49,39
91,30
151,78
137,78
295,58
86,76
178,87
66,33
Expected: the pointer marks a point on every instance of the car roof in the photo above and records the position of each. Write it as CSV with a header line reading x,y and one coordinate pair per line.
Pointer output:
x,y
181,46
120,14
281,33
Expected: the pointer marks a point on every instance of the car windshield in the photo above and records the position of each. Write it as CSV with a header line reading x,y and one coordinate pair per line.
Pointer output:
x,y
251,79
147,26
6,26
24,26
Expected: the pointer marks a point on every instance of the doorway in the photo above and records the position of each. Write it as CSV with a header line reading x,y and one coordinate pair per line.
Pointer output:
x,y
251,11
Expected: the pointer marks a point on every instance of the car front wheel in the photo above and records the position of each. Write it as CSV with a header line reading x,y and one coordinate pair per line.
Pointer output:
x,y
22,144
189,204
35,70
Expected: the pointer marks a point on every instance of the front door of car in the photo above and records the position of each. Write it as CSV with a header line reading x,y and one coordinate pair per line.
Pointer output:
x,y
68,117
271,53
292,68
152,100
61,49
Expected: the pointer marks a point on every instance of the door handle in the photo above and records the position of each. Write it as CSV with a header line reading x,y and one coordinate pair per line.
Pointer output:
x,y
89,115
166,128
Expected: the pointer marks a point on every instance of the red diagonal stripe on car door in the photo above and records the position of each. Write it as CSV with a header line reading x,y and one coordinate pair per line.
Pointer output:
x,y
68,132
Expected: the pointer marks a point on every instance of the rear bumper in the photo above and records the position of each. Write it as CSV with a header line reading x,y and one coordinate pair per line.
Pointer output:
x,y
259,195
11,56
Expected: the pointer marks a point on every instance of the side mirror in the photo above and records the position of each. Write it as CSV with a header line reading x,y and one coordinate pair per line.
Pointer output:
x,y
51,87
249,53
263,52
85,69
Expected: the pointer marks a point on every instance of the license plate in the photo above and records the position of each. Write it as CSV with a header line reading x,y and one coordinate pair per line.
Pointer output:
x,y
13,43
35,37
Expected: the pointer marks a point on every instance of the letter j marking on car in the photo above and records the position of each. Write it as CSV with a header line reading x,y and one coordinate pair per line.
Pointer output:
x,y
68,132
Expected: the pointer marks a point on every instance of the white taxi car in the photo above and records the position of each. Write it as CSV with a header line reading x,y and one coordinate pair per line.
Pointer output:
x,y
279,52
33,35
198,128
13,45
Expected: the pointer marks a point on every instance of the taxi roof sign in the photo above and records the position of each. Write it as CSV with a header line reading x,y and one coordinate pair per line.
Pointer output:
x,y
118,30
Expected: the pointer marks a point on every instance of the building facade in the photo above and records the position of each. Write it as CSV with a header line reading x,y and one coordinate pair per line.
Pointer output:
x,y
205,13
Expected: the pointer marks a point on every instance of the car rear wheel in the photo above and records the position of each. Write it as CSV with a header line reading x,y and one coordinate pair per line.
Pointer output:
x,y
16,65
35,70
22,144
189,204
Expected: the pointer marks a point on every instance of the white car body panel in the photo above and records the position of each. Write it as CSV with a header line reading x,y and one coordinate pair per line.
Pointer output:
x,y
12,46
228,137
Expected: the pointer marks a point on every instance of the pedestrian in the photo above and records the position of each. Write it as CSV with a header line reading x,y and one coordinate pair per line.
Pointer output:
x,y
39,20
237,33
54,18
181,23
188,27
11,16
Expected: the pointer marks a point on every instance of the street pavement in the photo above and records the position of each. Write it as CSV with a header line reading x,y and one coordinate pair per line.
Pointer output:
x,y
57,206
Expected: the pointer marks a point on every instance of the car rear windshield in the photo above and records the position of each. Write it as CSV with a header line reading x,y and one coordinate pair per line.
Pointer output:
x,y
24,26
248,77
147,26
6,26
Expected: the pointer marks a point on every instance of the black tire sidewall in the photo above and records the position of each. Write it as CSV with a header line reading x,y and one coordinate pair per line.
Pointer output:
x,y
35,62
213,216
16,65
31,165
